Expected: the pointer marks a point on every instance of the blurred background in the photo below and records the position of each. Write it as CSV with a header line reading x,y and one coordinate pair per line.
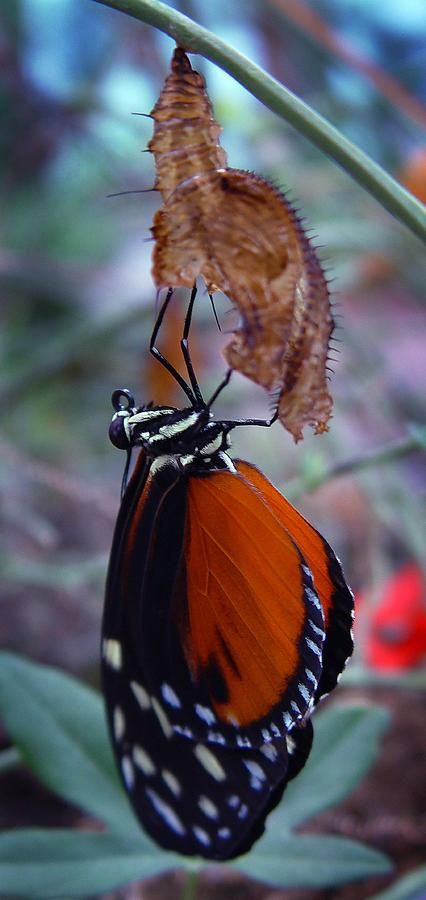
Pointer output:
x,y
78,306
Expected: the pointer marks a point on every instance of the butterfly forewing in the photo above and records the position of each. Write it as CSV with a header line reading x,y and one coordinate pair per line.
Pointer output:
x,y
254,624
336,597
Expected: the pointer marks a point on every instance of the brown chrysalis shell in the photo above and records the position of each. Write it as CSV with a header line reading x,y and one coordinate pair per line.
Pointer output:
x,y
242,235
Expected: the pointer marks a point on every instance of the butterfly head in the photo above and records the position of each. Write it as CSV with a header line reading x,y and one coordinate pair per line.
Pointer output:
x,y
189,433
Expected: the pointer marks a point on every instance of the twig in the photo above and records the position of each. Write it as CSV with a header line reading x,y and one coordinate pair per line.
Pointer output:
x,y
381,456
311,24
57,480
280,100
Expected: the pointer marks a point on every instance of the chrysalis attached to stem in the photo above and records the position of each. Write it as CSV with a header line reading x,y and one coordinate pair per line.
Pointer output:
x,y
243,236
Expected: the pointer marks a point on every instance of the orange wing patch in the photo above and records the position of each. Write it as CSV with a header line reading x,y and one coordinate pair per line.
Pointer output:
x,y
245,239
245,598
305,536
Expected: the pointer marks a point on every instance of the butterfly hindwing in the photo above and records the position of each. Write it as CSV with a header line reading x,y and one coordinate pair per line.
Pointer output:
x,y
192,797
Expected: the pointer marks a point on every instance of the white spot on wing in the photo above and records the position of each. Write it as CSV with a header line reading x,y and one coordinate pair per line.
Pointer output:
x,y
315,629
162,718
113,653
208,807
142,760
243,741
233,801
288,721
215,737
314,647
270,752
141,695
209,762
255,784
254,768
119,723
204,713
183,730
224,833
243,811
172,782
291,744
166,812
128,771
311,677
303,691
201,835
312,597
169,696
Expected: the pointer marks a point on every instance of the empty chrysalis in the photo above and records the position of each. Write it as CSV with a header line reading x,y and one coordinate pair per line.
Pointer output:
x,y
243,236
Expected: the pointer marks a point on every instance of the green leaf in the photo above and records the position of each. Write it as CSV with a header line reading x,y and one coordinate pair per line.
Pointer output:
x,y
59,728
311,861
59,863
346,743
410,887
361,676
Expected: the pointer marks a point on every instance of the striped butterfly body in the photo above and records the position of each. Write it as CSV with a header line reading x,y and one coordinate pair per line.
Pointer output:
x,y
226,618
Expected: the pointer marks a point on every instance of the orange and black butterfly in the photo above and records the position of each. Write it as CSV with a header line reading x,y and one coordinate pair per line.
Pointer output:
x,y
226,618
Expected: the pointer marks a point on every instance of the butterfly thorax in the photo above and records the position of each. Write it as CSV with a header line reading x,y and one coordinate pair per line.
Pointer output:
x,y
187,436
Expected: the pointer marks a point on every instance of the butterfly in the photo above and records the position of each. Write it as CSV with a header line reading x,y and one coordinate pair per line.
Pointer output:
x,y
227,617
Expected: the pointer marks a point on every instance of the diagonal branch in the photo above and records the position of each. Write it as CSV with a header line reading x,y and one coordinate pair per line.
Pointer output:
x,y
381,456
276,97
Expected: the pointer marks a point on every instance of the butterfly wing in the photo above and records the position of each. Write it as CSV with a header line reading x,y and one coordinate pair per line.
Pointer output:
x,y
252,631
336,597
212,605
192,796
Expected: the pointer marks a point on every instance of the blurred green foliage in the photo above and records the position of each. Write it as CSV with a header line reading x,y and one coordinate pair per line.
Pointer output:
x,y
58,726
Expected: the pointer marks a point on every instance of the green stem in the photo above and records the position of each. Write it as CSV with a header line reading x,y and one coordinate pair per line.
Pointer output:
x,y
190,887
318,130
381,456
9,759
